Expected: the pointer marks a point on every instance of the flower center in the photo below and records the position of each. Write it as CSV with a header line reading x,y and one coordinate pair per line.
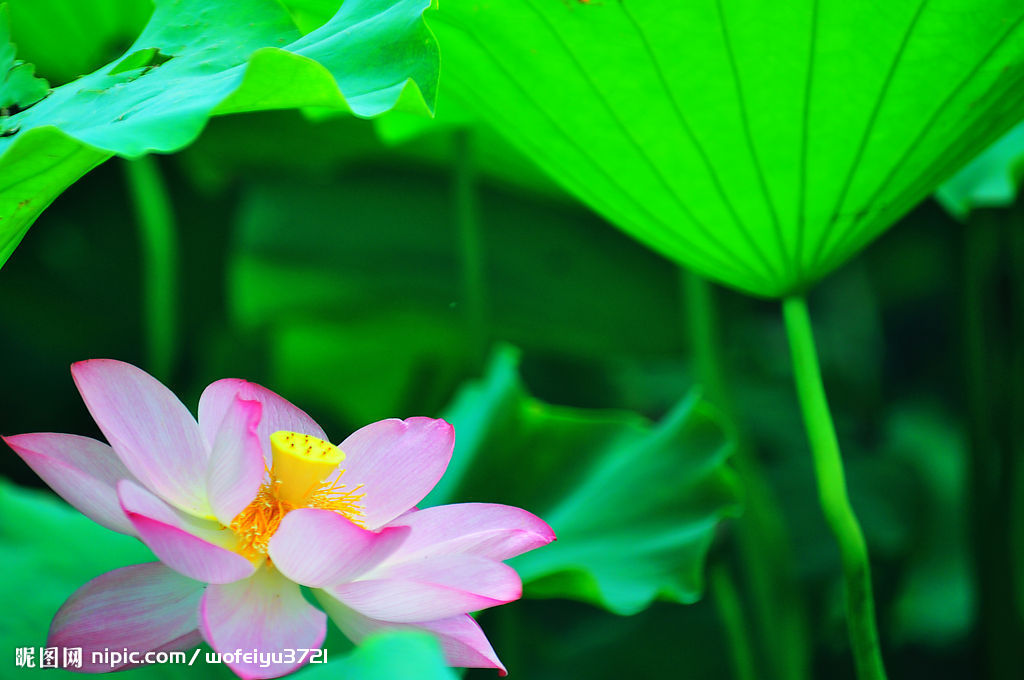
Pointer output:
x,y
301,463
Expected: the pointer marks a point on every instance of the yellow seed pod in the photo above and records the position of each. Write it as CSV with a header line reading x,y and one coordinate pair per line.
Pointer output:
x,y
301,464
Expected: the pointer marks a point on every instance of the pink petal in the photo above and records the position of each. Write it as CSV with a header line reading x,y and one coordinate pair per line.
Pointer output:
x,y
144,607
187,545
319,547
397,462
266,613
152,432
433,588
82,470
498,532
236,461
462,641
278,413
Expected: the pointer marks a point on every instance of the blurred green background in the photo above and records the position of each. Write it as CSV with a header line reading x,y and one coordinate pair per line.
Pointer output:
x,y
364,280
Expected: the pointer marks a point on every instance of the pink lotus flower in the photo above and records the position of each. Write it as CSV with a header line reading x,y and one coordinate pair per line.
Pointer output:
x,y
249,503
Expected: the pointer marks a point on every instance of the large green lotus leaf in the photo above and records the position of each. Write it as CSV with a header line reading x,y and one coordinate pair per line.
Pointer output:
x,y
19,86
196,59
310,14
760,143
634,505
991,180
66,39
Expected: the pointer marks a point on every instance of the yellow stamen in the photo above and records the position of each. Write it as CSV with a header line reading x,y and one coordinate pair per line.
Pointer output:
x,y
258,522
296,480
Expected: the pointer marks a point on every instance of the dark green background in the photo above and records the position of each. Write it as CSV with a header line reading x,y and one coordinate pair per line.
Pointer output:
x,y
321,263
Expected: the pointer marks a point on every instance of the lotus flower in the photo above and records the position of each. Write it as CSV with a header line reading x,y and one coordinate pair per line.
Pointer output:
x,y
251,502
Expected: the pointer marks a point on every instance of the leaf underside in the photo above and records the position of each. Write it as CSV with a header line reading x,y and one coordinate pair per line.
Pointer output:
x,y
196,59
761,144
19,86
634,505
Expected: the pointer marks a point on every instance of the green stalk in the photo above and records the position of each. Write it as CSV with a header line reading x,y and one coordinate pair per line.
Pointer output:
x,y
1015,405
762,543
470,250
159,264
989,345
835,503
730,610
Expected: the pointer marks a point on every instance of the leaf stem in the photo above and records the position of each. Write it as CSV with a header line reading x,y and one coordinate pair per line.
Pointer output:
x,y
989,372
159,250
730,610
762,542
835,503
470,249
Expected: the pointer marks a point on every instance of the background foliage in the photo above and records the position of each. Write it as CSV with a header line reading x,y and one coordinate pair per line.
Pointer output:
x,y
373,269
